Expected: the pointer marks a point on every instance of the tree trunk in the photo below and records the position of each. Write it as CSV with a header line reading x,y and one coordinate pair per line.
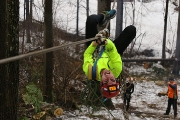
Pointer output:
x,y
165,30
2,56
87,9
119,17
27,22
10,80
104,5
77,20
2,32
48,56
176,68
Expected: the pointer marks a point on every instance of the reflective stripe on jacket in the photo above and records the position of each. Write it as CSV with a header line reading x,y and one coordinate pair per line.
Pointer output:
x,y
110,60
171,91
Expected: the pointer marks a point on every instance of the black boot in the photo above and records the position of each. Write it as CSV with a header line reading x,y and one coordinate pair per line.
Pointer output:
x,y
166,113
127,107
175,115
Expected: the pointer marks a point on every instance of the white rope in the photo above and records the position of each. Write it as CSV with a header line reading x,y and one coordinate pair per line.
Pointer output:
x,y
44,51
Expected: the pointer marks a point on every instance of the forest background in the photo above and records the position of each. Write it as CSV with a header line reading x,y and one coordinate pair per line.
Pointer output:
x,y
54,77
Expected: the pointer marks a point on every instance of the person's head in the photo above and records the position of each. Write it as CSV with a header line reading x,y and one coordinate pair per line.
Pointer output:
x,y
171,79
109,86
107,77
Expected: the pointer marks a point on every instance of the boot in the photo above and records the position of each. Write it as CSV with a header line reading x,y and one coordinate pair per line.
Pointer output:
x,y
107,16
166,113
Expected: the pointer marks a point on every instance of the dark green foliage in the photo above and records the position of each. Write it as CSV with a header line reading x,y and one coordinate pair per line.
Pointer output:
x,y
33,95
158,70
91,95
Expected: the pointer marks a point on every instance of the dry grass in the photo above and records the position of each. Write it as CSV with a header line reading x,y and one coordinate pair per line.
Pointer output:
x,y
160,83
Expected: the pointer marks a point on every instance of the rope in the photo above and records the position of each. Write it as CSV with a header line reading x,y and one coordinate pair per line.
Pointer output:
x,y
10,59
6,60
95,65
44,51
73,43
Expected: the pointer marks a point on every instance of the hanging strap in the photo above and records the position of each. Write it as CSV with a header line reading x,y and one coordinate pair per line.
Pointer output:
x,y
94,68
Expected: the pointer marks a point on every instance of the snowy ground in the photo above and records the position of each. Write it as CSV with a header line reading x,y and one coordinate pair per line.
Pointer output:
x,y
145,105
149,21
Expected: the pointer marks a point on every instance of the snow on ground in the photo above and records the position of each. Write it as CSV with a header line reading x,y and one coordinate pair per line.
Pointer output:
x,y
145,105
149,21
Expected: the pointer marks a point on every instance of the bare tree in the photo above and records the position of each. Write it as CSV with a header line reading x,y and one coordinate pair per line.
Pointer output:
x,y
176,68
9,78
119,17
48,56
104,5
27,22
2,55
165,30
87,9
2,35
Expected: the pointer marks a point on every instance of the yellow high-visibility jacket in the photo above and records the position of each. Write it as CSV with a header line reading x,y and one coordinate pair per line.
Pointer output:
x,y
110,60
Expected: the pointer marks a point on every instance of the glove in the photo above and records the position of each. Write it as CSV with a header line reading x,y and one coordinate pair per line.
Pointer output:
x,y
101,39
105,33
99,35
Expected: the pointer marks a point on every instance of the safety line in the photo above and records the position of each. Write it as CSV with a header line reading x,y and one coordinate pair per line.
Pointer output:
x,y
6,60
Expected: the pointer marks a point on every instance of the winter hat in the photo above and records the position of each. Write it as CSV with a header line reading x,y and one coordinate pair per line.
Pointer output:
x,y
171,78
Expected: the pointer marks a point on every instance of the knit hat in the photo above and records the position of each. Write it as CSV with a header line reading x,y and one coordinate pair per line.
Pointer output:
x,y
171,78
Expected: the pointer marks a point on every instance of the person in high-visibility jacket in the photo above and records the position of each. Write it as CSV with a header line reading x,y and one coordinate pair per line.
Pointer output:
x,y
105,63
172,96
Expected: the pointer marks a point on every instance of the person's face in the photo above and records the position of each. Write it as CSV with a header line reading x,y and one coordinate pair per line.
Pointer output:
x,y
107,77
171,81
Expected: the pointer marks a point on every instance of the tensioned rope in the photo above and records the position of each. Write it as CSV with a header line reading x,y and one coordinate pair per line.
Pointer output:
x,y
46,50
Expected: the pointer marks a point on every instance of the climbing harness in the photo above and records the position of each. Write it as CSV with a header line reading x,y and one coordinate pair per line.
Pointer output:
x,y
108,91
94,68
